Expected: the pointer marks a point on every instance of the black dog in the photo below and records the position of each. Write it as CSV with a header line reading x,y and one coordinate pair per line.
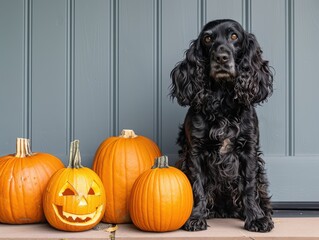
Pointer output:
x,y
222,78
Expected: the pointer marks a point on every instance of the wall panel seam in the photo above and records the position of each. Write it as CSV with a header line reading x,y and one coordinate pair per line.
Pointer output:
x,y
70,79
290,81
201,14
27,82
247,15
114,67
157,66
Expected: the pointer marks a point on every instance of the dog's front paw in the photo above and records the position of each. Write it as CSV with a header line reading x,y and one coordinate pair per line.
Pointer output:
x,y
264,224
195,224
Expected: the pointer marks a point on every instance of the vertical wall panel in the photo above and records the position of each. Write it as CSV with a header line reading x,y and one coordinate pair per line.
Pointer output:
x,y
49,77
137,99
92,78
232,9
306,77
293,179
177,33
271,35
11,73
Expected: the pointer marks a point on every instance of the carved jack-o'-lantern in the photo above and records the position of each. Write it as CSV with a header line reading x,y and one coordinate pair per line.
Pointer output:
x,y
75,197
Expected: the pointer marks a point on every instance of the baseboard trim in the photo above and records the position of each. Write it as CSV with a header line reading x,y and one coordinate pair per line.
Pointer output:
x,y
295,205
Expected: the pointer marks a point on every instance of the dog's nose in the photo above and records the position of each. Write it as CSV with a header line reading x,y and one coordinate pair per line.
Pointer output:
x,y
221,57
222,54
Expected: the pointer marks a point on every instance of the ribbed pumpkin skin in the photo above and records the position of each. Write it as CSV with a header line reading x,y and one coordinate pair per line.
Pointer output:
x,y
22,183
161,200
119,161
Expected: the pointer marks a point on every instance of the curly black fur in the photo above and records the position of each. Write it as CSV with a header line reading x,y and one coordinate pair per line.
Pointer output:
x,y
222,78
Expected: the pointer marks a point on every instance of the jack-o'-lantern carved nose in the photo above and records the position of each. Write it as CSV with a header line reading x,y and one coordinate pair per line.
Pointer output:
x,y
83,202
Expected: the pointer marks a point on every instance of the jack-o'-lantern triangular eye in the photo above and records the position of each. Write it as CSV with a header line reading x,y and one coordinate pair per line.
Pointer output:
x,y
67,190
94,189
91,192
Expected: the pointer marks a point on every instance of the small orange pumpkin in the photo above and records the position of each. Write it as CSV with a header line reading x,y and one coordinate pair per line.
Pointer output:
x,y
161,199
23,178
75,198
119,161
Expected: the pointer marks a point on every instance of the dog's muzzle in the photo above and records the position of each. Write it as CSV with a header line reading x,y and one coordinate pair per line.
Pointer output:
x,y
222,63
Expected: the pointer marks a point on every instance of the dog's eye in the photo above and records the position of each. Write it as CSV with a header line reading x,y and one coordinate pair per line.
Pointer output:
x,y
233,37
208,39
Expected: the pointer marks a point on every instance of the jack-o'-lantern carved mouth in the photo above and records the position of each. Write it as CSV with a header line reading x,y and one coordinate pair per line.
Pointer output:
x,y
78,219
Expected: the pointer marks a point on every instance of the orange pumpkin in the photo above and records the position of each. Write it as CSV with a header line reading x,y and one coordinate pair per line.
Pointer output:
x,y
161,198
23,178
74,199
119,161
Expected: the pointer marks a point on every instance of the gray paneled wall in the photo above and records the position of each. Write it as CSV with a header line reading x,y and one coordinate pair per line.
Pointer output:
x,y
86,69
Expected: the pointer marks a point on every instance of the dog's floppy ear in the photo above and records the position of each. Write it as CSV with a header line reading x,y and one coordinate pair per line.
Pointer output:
x,y
255,81
188,75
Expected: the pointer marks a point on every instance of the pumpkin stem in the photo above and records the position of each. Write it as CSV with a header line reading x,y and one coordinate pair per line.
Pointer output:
x,y
23,148
128,133
161,162
75,157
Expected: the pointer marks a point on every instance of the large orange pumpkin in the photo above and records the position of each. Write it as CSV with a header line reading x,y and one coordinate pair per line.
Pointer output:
x,y
75,198
119,161
161,199
23,178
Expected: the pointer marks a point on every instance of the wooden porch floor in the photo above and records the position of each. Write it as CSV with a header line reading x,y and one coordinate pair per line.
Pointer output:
x,y
223,229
